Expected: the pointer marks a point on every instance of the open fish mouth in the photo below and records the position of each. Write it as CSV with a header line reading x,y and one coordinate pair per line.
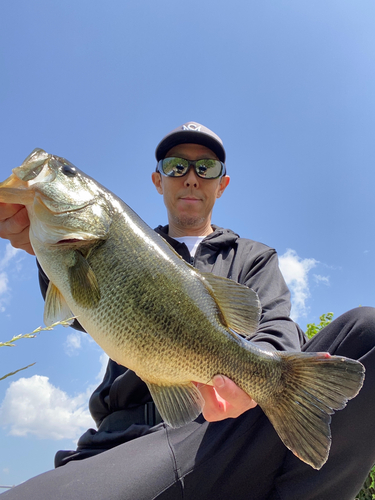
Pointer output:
x,y
68,240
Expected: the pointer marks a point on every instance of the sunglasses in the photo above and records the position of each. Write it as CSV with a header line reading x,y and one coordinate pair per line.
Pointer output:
x,y
178,167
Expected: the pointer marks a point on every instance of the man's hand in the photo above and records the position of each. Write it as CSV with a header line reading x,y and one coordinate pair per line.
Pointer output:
x,y
224,400
14,226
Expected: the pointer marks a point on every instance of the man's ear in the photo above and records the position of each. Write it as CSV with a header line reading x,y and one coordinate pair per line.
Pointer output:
x,y
224,181
156,179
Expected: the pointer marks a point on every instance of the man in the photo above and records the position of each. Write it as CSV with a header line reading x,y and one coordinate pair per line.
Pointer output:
x,y
231,451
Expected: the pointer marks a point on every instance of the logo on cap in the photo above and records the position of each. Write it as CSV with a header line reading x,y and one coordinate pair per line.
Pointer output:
x,y
192,127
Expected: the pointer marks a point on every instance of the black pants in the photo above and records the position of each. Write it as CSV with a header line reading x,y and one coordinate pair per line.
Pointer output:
x,y
239,458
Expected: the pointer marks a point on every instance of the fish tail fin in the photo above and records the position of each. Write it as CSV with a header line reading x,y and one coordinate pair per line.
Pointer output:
x,y
314,385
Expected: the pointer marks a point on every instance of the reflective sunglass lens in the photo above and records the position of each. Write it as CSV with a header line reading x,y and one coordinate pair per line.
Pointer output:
x,y
174,167
209,169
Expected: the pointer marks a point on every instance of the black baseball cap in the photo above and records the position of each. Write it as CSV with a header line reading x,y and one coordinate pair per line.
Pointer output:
x,y
194,133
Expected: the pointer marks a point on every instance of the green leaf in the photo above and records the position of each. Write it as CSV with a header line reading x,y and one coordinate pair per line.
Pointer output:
x,y
313,328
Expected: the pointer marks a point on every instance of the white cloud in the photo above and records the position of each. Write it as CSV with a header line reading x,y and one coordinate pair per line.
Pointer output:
x,y
73,343
3,282
10,252
5,261
35,406
321,279
295,271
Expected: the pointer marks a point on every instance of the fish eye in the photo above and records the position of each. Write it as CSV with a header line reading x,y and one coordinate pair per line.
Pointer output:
x,y
69,170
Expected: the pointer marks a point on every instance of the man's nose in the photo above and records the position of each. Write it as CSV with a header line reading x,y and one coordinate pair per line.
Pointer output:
x,y
191,178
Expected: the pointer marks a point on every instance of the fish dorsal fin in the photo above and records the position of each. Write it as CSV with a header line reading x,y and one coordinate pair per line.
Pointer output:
x,y
239,305
83,283
177,404
55,308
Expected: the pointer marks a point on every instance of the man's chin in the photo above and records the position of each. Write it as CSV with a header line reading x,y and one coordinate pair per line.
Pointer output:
x,y
188,221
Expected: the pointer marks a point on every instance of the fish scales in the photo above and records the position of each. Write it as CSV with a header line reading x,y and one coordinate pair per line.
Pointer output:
x,y
156,304
157,315
145,309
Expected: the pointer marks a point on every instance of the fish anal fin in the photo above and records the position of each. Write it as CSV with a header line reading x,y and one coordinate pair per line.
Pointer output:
x,y
239,305
83,283
55,308
314,385
177,404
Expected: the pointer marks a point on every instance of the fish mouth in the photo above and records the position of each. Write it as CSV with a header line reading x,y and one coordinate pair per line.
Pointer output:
x,y
14,190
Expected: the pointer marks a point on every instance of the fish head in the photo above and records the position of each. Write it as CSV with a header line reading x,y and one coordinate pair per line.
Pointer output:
x,y
64,204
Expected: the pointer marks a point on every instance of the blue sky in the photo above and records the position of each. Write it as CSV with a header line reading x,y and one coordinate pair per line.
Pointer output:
x,y
289,86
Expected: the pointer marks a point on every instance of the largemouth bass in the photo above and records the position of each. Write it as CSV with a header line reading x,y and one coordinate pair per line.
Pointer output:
x,y
155,314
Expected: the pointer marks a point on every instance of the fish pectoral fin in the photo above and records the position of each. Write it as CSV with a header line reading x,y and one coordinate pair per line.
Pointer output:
x,y
239,305
177,404
55,308
314,385
83,283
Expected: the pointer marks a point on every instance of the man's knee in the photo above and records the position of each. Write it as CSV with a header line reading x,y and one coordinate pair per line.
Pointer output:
x,y
363,320
358,330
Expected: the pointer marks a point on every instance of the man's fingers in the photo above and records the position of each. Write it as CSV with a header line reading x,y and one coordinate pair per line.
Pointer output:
x,y
17,220
22,241
214,407
224,400
231,393
14,226
7,210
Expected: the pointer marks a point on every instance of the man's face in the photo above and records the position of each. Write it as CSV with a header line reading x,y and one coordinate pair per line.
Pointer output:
x,y
190,199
